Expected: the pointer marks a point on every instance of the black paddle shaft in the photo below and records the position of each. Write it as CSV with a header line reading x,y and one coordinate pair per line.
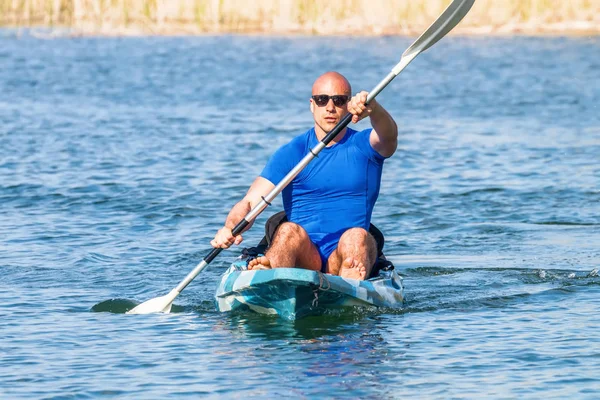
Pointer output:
x,y
337,129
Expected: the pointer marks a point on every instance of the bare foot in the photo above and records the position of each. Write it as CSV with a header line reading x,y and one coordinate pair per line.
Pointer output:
x,y
259,263
353,269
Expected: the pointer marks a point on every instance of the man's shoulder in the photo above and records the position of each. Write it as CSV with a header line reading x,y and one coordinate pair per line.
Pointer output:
x,y
362,141
306,135
300,141
358,138
354,132
296,148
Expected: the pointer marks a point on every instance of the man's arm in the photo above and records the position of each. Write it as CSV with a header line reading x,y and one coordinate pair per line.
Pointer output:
x,y
384,136
260,187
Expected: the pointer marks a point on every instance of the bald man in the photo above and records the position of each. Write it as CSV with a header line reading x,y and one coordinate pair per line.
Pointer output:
x,y
329,204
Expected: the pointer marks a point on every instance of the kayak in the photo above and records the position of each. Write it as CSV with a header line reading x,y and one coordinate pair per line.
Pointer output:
x,y
293,293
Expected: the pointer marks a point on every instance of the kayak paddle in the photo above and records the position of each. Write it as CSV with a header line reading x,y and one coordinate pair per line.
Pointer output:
x,y
451,16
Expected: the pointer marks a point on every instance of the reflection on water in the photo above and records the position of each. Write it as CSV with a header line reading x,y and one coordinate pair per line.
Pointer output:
x,y
312,327
346,350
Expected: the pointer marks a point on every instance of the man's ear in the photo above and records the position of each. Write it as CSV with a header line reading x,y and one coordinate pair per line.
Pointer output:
x,y
312,106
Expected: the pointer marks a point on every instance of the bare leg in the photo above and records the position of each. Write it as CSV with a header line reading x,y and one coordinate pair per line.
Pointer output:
x,y
291,247
355,255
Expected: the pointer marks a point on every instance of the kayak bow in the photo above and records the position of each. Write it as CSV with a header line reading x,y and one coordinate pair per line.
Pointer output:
x,y
293,293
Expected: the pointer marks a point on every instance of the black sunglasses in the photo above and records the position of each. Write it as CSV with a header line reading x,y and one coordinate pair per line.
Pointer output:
x,y
339,100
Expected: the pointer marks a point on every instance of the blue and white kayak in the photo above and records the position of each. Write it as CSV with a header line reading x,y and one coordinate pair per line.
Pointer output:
x,y
293,293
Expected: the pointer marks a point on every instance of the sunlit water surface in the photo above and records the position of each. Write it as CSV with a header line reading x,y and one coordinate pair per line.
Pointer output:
x,y
119,158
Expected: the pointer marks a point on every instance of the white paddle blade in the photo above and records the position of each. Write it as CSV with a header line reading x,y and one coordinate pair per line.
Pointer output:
x,y
451,16
157,305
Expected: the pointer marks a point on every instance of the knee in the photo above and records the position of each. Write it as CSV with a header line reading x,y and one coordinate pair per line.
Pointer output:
x,y
290,230
357,240
357,236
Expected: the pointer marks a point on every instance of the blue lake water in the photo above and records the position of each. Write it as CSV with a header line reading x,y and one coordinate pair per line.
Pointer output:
x,y
120,157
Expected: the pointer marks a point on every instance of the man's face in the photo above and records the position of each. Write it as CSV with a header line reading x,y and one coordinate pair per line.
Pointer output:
x,y
329,114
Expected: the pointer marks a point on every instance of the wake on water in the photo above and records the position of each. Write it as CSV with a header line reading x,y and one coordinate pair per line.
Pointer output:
x,y
438,288
435,288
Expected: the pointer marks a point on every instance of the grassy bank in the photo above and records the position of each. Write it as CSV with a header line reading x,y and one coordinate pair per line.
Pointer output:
x,y
123,17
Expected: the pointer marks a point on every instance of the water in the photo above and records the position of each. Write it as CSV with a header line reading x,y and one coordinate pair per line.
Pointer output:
x,y
119,158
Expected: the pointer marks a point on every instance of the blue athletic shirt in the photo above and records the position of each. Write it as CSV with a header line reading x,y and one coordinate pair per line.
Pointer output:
x,y
334,192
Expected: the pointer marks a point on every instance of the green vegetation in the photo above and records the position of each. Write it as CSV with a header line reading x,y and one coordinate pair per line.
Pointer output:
x,y
121,17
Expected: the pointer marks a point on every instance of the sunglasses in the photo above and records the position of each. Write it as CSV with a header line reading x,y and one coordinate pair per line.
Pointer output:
x,y
339,100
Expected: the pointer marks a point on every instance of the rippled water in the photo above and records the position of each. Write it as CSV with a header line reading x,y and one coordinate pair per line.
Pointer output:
x,y
119,158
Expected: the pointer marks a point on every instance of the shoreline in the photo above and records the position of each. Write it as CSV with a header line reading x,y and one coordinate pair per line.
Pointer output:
x,y
295,17
568,29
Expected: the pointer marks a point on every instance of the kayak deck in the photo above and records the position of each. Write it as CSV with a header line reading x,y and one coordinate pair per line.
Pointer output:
x,y
293,293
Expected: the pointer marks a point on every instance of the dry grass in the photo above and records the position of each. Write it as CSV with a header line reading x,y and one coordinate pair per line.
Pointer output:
x,y
293,16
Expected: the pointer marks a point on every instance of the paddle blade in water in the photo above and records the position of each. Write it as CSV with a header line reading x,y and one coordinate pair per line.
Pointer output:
x,y
157,305
116,306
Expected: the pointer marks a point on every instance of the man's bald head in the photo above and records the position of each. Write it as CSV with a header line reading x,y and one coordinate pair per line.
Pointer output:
x,y
331,83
